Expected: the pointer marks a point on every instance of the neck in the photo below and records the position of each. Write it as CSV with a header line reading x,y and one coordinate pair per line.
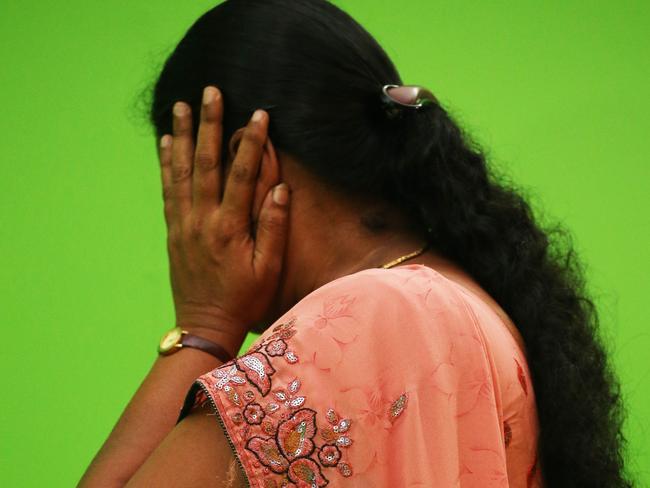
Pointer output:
x,y
333,251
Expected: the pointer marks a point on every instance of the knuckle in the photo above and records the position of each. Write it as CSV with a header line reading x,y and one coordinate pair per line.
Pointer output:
x,y
205,161
253,137
180,172
182,127
240,173
273,222
208,114
227,228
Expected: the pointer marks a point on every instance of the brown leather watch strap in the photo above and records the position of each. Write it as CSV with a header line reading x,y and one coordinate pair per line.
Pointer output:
x,y
210,347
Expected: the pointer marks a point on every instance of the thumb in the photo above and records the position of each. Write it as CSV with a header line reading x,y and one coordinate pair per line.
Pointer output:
x,y
272,230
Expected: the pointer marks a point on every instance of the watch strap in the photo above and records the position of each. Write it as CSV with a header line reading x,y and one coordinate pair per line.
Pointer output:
x,y
196,342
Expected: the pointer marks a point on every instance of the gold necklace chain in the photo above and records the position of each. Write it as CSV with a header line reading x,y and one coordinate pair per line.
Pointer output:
x,y
400,260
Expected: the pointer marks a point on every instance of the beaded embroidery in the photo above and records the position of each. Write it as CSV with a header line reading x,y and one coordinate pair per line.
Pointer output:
x,y
275,422
397,407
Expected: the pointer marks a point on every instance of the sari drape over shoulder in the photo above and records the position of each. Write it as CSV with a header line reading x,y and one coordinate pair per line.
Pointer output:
x,y
384,378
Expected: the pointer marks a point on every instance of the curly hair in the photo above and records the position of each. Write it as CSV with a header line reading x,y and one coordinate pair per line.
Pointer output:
x,y
319,74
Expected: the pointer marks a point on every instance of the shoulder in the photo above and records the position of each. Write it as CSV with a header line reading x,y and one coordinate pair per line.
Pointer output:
x,y
412,288
361,313
380,299
401,280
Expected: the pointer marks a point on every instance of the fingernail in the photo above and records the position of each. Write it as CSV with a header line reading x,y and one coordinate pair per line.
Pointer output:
x,y
208,95
165,141
257,116
281,194
180,109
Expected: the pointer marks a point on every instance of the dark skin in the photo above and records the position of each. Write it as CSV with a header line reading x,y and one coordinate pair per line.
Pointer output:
x,y
224,280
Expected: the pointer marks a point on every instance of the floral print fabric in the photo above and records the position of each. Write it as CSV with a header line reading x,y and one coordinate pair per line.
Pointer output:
x,y
382,378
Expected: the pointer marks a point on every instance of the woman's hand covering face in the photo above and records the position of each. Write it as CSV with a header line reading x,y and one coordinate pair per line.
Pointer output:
x,y
222,277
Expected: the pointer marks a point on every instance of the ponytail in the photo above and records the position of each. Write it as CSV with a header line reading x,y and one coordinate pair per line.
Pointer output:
x,y
488,229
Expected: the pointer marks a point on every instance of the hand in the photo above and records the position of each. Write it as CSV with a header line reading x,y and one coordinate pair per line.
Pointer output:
x,y
223,279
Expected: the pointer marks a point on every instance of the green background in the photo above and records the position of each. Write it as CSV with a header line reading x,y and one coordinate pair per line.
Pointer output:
x,y
555,91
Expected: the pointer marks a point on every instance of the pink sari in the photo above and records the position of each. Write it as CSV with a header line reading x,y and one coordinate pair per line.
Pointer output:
x,y
382,378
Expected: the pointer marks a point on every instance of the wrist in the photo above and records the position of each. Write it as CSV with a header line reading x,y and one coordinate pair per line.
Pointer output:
x,y
230,341
212,323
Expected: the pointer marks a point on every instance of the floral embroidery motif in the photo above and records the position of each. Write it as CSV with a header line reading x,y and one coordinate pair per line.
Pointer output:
x,y
291,357
276,348
295,434
397,407
345,469
258,370
224,379
281,431
268,427
305,472
289,451
254,413
336,436
329,435
287,333
272,407
268,453
329,455
275,345
331,330
290,401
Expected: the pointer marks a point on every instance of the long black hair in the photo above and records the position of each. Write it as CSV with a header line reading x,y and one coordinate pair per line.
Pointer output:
x,y
319,74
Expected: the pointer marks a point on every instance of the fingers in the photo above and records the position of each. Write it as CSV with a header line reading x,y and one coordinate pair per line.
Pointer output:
x,y
242,179
192,180
272,231
182,156
165,156
207,166
269,177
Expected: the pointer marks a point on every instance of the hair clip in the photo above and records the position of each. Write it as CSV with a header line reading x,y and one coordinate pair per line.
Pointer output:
x,y
412,96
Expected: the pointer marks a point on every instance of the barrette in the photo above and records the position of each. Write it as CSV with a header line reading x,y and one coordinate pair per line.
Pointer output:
x,y
408,95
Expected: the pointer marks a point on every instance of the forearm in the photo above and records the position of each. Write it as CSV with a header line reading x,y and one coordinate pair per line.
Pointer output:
x,y
150,415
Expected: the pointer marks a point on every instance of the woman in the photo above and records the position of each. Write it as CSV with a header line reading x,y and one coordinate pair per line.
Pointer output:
x,y
419,328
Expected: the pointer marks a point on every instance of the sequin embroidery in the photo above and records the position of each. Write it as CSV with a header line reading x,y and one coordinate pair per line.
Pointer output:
x,y
275,421
397,407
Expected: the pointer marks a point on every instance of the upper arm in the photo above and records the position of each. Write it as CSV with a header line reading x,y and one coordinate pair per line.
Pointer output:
x,y
195,453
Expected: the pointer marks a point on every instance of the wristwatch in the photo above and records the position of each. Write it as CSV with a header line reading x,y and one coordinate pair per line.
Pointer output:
x,y
177,338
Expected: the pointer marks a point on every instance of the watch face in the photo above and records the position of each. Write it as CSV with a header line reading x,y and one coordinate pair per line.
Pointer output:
x,y
170,339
